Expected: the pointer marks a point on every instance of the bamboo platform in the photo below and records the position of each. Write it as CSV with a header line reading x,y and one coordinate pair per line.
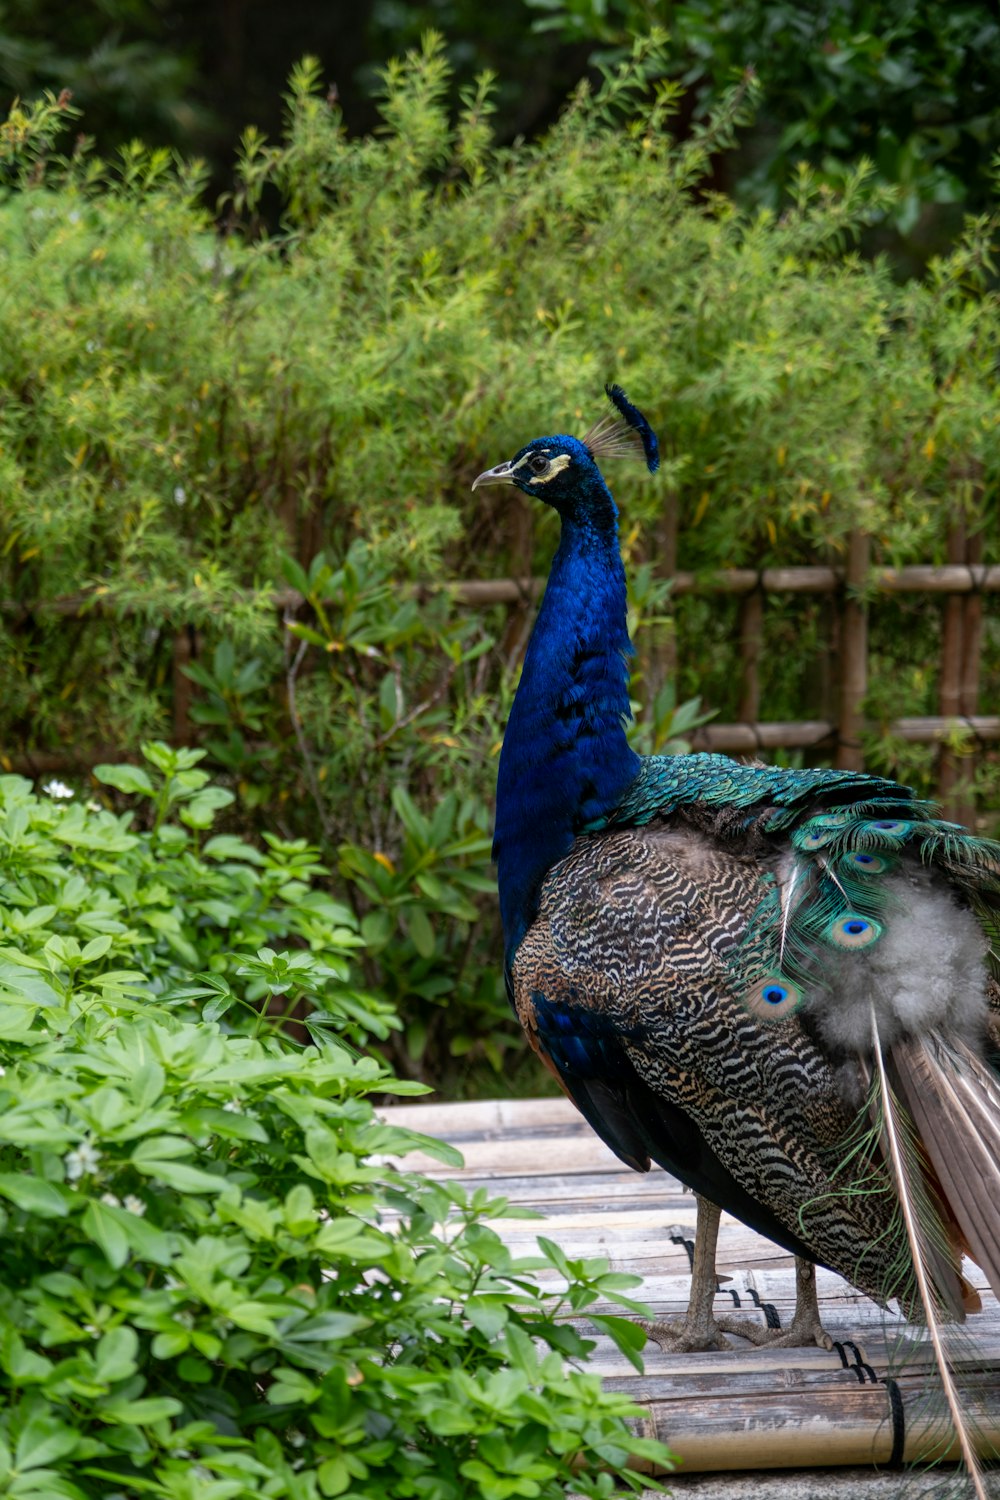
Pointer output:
x,y
747,1409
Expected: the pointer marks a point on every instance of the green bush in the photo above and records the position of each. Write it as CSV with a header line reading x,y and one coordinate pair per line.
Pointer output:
x,y
214,1283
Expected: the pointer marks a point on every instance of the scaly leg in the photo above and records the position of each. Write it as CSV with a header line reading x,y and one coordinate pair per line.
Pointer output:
x,y
805,1329
700,1330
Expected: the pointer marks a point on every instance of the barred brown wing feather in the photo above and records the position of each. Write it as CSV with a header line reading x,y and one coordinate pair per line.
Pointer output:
x,y
625,981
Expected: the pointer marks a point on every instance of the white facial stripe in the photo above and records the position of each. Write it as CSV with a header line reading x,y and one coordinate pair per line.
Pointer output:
x,y
560,462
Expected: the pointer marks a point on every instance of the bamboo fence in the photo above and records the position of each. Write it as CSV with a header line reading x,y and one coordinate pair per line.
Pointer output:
x,y
964,585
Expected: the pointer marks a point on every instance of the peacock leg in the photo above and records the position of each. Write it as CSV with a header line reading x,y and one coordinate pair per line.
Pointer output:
x,y
700,1330
806,1327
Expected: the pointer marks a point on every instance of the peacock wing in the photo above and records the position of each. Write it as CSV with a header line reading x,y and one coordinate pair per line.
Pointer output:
x,y
625,984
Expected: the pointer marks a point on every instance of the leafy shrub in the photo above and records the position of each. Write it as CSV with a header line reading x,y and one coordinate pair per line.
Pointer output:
x,y
181,408
214,1284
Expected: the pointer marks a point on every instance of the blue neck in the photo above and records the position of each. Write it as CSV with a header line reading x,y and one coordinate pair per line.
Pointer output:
x,y
565,760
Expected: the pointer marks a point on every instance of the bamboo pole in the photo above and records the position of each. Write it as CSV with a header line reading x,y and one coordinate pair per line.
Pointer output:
x,y
800,734
828,656
972,634
972,648
854,656
731,739
972,578
950,679
751,646
834,1423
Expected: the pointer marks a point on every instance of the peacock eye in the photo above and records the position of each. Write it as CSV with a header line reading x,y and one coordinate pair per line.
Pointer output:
x,y
538,463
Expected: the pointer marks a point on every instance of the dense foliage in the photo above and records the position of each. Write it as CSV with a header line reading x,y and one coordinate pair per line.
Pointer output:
x,y
190,421
215,1284
912,84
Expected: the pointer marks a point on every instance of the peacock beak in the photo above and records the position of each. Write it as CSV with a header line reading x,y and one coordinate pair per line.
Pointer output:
x,y
500,475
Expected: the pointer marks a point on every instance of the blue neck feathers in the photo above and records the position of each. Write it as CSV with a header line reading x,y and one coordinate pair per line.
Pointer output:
x,y
565,760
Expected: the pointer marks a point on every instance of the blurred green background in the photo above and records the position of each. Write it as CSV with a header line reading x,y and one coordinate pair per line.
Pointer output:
x,y
913,84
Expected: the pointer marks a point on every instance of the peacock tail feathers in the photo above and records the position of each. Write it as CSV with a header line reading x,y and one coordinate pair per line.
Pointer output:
x,y
832,878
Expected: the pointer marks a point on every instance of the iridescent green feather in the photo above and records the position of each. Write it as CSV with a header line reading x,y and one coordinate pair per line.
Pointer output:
x,y
845,833
834,894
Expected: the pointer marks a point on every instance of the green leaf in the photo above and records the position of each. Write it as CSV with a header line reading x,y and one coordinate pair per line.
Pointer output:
x,y
161,1148
225,846
36,1195
200,811
420,930
179,1175
125,778
305,633
409,815
333,1476
142,1412
293,573
43,1440
489,1314
627,1336
95,949
115,1357
101,1227
291,1386
326,1327
144,1238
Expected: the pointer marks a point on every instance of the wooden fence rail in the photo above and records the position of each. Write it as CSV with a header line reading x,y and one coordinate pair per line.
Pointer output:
x,y
962,584
917,579
483,592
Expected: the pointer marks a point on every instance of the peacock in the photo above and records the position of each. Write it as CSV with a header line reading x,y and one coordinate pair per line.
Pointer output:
x,y
779,984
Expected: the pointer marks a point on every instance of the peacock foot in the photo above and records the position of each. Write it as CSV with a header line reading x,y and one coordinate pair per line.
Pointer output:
x,y
802,1334
806,1328
700,1335
702,1330
687,1335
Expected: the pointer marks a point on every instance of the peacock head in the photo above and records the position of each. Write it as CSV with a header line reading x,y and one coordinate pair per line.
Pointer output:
x,y
563,470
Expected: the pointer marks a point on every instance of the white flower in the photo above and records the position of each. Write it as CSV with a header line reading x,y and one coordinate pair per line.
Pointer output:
x,y
3,1072
180,495
58,789
134,1205
110,1200
233,1107
93,806
82,1161
92,346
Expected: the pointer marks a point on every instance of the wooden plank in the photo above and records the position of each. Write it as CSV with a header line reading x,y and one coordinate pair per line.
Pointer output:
x,y
500,1116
